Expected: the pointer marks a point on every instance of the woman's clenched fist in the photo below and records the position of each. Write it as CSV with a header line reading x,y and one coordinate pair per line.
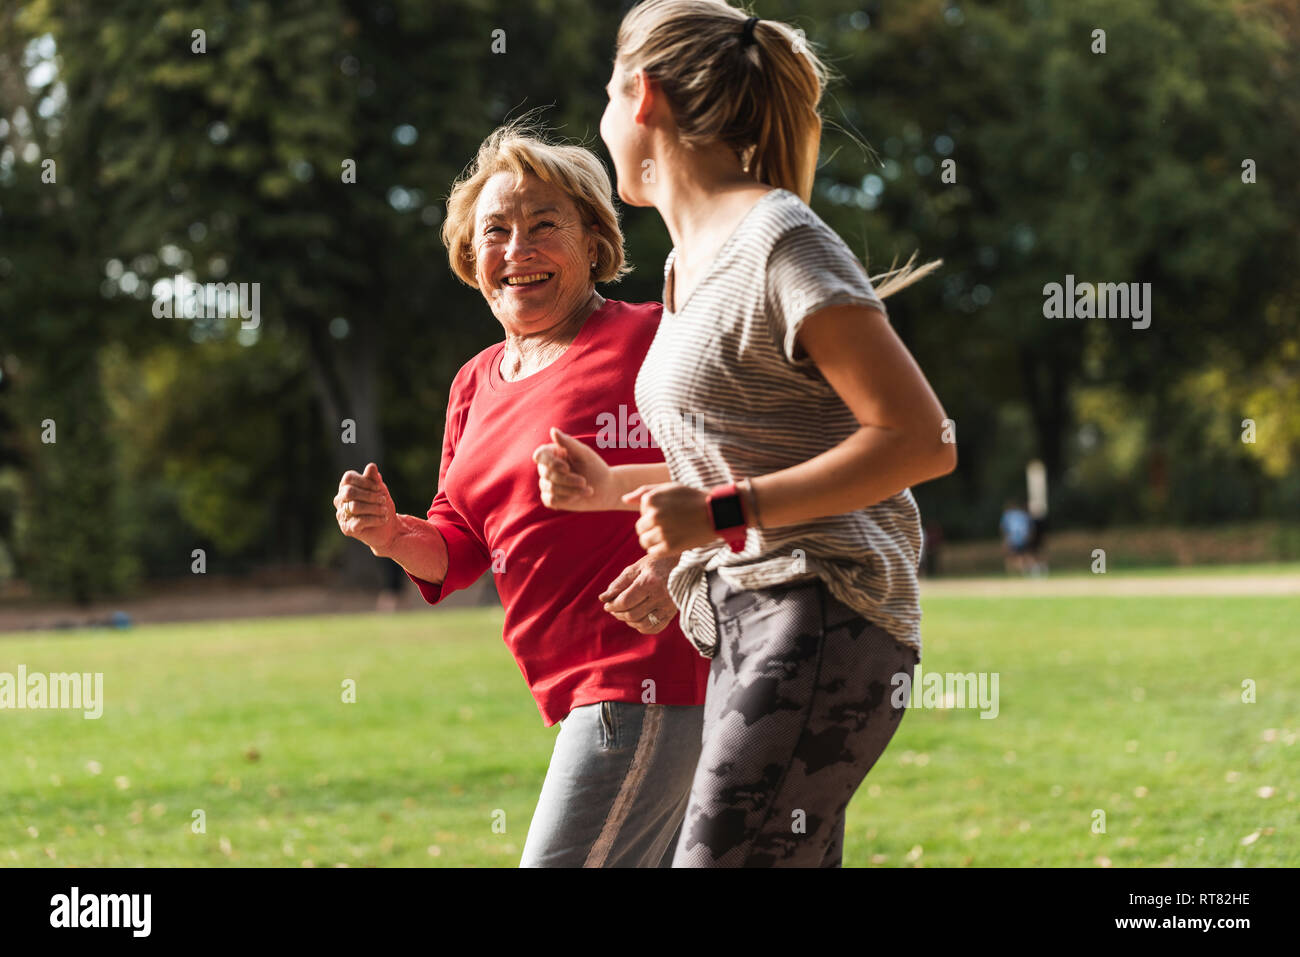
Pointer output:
x,y
364,509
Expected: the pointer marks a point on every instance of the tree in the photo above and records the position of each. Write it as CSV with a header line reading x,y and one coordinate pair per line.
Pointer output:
x,y
1122,166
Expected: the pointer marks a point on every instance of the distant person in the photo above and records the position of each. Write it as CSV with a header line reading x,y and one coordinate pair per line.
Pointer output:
x,y
1036,484
1037,552
1017,529
588,617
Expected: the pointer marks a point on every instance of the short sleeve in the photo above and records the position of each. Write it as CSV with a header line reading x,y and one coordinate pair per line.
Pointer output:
x,y
810,269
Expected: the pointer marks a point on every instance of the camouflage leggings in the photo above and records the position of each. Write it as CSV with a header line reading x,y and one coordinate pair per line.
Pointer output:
x,y
798,710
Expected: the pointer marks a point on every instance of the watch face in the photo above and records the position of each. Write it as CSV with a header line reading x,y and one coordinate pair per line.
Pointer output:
x,y
727,512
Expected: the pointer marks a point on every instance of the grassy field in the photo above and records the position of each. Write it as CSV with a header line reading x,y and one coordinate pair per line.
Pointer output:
x,y
1236,569
1128,705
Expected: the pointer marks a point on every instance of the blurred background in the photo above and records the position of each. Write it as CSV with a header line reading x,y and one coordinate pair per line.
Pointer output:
x,y
128,158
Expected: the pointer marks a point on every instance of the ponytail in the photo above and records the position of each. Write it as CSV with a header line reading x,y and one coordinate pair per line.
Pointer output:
x,y
756,87
759,97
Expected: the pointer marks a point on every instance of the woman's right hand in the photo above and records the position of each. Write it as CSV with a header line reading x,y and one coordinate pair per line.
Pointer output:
x,y
573,477
364,509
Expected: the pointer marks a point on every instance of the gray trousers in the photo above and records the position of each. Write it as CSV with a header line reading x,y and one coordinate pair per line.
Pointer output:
x,y
799,709
616,787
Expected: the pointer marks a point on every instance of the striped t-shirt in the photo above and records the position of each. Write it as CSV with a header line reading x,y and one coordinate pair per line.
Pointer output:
x,y
725,397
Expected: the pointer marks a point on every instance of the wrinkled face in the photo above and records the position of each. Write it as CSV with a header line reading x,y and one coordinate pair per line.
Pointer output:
x,y
533,253
627,141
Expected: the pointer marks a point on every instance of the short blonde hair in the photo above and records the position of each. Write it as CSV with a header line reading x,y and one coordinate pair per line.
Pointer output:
x,y
519,148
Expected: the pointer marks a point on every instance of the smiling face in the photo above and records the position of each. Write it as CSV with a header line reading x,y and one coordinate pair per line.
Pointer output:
x,y
533,254
626,139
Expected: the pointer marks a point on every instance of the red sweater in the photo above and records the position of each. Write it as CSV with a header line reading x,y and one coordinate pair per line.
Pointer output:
x,y
550,566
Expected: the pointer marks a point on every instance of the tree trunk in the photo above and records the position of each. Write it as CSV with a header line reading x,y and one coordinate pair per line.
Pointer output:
x,y
1046,390
345,379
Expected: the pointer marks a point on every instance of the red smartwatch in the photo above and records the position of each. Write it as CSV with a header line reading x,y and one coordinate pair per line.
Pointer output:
x,y
727,515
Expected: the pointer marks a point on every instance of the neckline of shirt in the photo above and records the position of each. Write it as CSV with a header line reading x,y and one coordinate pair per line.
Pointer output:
x,y
717,260
499,384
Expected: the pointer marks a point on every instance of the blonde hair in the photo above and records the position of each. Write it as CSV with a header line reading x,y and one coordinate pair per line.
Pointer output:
x,y
519,147
761,99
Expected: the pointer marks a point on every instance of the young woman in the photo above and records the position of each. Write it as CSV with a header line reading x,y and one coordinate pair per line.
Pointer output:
x,y
793,420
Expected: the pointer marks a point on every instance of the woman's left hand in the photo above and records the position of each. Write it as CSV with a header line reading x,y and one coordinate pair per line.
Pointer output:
x,y
673,518
639,596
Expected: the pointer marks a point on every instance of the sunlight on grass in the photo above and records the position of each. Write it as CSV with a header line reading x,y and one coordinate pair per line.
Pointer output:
x,y
1128,706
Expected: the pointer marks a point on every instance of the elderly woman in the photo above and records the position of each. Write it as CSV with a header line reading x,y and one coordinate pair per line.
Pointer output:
x,y
531,225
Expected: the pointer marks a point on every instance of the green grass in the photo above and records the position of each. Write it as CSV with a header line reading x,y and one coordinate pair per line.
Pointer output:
x,y
1262,569
244,720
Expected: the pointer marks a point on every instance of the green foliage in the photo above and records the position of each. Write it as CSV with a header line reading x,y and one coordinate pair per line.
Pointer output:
x,y
227,164
1116,166
221,438
69,532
